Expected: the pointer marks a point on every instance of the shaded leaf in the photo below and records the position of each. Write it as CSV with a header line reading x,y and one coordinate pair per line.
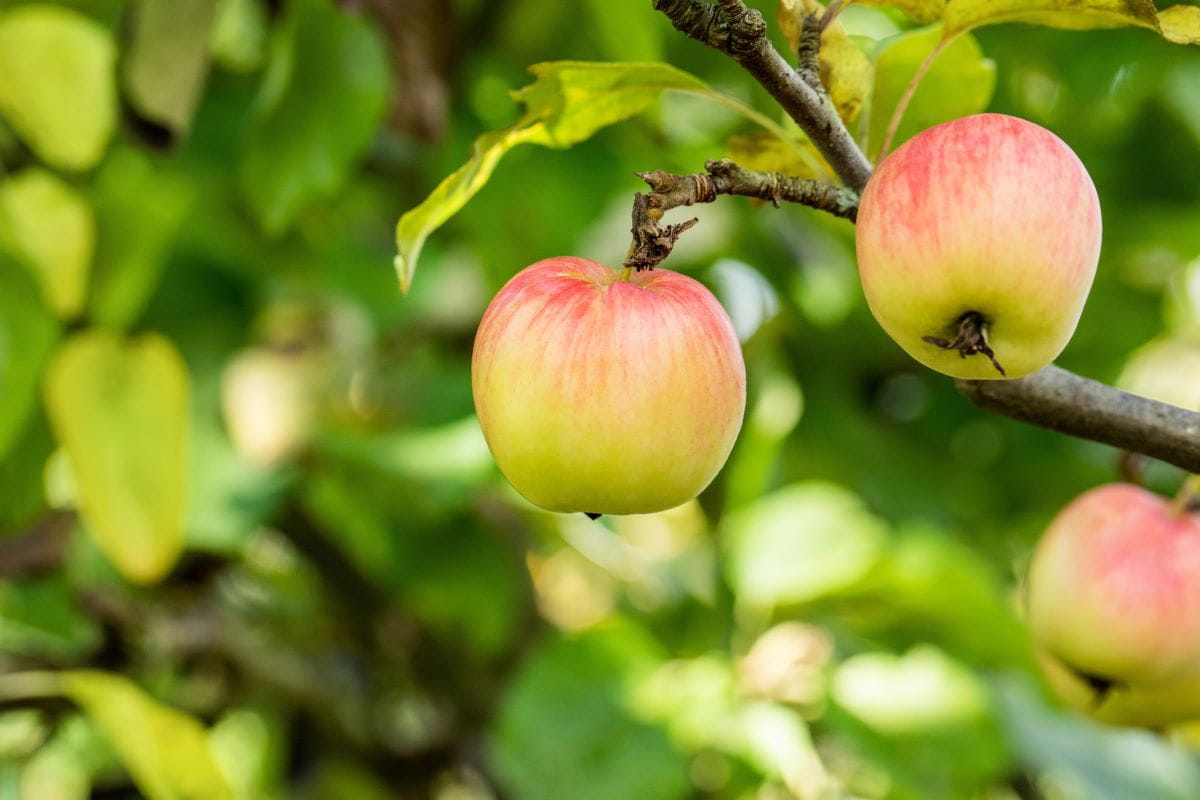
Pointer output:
x,y
49,227
767,152
165,750
960,82
567,102
38,618
57,88
27,332
845,69
799,543
166,61
119,408
323,97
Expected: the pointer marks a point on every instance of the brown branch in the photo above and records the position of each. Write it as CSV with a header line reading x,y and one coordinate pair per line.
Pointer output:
x,y
1062,401
652,242
741,33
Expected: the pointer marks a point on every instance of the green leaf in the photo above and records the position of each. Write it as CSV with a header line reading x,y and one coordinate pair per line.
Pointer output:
x,y
165,750
845,69
120,409
27,332
139,207
239,34
567,102
39,618
962,15
166,61
56,83
578,690
799,543
49,227
1180,24
959,82
922,12
321,101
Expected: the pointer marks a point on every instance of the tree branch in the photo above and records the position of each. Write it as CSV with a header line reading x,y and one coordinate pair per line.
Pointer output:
x,y
741,33
652,243
1062,401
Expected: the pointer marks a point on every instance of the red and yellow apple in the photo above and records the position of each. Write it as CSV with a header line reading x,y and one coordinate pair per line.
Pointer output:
x,y
607,391
1113,592
979,237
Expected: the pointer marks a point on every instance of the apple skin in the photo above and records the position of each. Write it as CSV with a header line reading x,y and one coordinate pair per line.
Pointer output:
x,y
987,213
1149,705
1113,590
605,395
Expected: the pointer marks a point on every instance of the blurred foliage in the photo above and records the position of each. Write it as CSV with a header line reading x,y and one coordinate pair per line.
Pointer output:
x,y
252,543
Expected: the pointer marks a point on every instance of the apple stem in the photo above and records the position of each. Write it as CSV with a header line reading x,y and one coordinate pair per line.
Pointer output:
x,y
1185,499
971,339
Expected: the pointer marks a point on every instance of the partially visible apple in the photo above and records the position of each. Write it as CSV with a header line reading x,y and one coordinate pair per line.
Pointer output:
x,y
979,237
607,391
1145,705
1113,591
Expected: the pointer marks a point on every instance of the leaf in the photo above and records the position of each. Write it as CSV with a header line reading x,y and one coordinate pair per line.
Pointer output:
x,y
845,69
922,12
800,543
138,209
579,688
960,82
323,97
239,34
567,102
57,89
962,15
119,407
166,60
165,750
1180,24
49,227
766,152
27,332
39,618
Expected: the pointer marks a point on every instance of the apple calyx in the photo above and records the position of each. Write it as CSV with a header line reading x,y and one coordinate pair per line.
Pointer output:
x,y
592,515
972,339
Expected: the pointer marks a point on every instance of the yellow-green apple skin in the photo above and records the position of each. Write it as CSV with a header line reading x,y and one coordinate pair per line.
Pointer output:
x,y
1113,590
607,392
988,214
1143,705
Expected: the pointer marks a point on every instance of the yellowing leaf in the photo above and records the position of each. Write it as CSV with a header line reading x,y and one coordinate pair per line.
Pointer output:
x,y
165,751
167,59
119,407
845,69
567,102
56,83
922,12
959,82
766,152
1180,24
49,227
962,15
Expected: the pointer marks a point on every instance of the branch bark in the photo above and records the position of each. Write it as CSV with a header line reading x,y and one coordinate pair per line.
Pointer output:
x,y
1062,401
652,242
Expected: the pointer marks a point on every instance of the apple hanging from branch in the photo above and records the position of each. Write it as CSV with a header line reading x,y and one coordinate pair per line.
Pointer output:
x,y
977,244
607,391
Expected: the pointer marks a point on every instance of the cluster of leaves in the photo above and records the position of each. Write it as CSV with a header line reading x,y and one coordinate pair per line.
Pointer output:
x,y
196,189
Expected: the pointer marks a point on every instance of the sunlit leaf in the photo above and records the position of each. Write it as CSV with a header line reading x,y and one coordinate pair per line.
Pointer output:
x,y
165,750
119,408
959,82
239,34
27,332
799,543
962,15
567,103
922,12
1180,24
1167,370
166,60
57,88
322,98
49,227
845,69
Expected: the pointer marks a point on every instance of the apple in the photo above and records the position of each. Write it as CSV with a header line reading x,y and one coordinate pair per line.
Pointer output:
x,y
1148,705
607,391
977,244
1113,591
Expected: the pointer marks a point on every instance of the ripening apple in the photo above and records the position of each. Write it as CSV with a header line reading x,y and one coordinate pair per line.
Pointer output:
x,y
1113,591
1145,705
977,244
607,391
